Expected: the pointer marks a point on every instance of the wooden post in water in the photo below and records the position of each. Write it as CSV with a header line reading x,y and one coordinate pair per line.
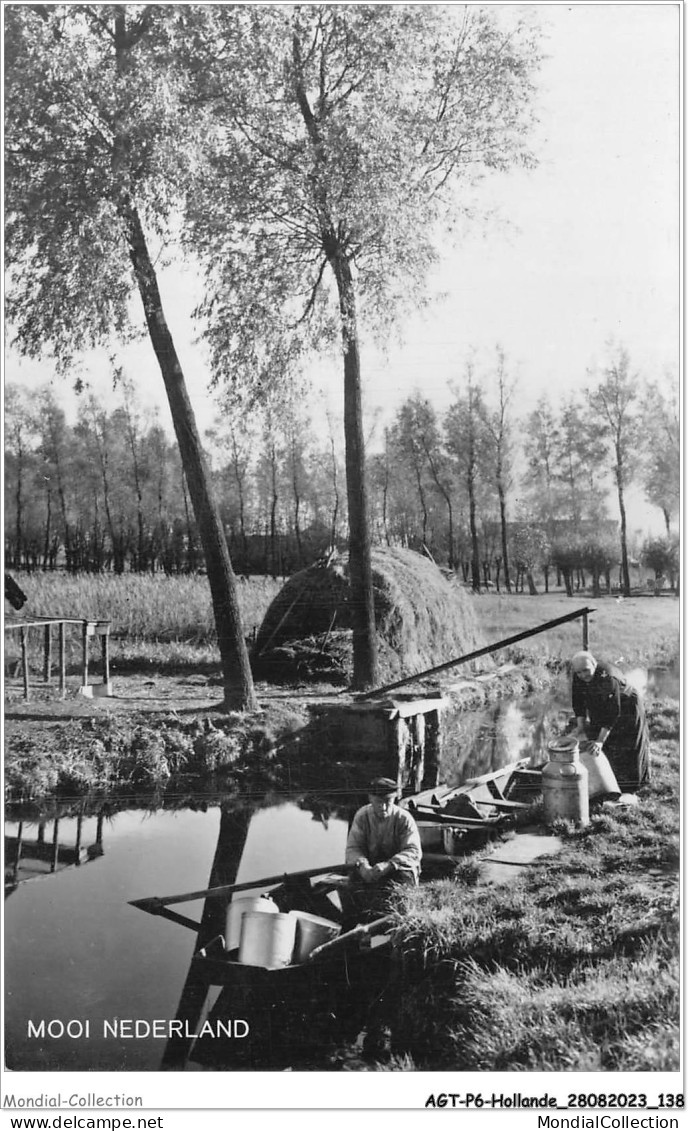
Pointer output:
x,y
418,765
397,741
79,830
104,647
433,750
47,653
17,857
61,657
84,645
56,845
25,661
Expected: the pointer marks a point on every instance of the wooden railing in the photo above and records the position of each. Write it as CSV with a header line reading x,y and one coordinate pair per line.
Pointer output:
x,y
581,614
89,628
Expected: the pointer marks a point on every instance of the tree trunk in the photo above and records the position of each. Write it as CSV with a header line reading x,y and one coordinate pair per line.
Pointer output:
x,y
625,575
447,498
505,554
273,515
475,556
20,513
423,505
297,510
48,519
238,475
239,693
451,562
335,489
360,567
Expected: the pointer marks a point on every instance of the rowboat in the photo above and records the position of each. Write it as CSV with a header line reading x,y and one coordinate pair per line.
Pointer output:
x,y
480,804
303,1001
308,896
306,998
449,815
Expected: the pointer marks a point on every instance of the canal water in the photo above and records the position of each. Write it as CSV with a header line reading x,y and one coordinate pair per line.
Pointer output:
x,y
82,966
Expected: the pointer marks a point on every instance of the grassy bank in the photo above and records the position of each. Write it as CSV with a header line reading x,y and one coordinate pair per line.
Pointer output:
x,y
574,966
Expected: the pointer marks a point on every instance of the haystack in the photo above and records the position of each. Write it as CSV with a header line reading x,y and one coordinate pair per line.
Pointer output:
x,y
422,619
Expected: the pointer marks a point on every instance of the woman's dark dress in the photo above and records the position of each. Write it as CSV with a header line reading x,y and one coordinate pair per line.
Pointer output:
x,y
609,700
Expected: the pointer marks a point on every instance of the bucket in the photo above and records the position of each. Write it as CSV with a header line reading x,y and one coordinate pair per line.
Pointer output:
x,y
311,931
237,909
267,940
601,778
565,784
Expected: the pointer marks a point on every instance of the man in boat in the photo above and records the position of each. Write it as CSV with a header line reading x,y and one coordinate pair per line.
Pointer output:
x,y
610,714
383,846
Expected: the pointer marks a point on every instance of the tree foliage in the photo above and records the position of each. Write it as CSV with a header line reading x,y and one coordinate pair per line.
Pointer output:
x,y
614,403
662,465
342,130
350,127
99,152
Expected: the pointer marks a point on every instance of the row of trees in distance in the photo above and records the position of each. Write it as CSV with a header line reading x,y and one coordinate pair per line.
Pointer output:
x,y
486,492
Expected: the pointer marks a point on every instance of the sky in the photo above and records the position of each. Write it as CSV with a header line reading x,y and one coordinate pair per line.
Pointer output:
x,y
584,250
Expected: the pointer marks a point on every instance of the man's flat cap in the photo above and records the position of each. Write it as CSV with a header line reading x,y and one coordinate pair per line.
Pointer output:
x,y
383,787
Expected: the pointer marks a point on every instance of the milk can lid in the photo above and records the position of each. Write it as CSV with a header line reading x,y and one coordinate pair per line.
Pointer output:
x,y
565,748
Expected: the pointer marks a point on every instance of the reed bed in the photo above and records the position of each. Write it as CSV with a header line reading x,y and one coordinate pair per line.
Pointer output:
x,y
158,622
144,607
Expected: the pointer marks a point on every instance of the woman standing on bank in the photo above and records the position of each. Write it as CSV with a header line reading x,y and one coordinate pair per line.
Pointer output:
x,y
611,715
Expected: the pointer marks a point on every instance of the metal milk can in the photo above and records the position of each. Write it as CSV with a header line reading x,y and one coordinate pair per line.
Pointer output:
x,y
601,777
565,784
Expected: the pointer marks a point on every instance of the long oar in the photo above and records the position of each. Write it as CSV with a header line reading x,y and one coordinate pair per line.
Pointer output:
x,y
356,934
156,904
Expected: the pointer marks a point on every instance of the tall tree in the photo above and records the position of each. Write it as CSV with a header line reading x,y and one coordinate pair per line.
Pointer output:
x,y
579,476
541,467
407,438
662,464
18,437
498,426
98,150
614,401
354,124
466,441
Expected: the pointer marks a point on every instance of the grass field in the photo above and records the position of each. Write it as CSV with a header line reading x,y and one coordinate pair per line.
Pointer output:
x,y
168,621
638,630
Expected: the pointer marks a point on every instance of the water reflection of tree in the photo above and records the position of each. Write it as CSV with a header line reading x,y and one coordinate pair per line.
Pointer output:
x,y
234,823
